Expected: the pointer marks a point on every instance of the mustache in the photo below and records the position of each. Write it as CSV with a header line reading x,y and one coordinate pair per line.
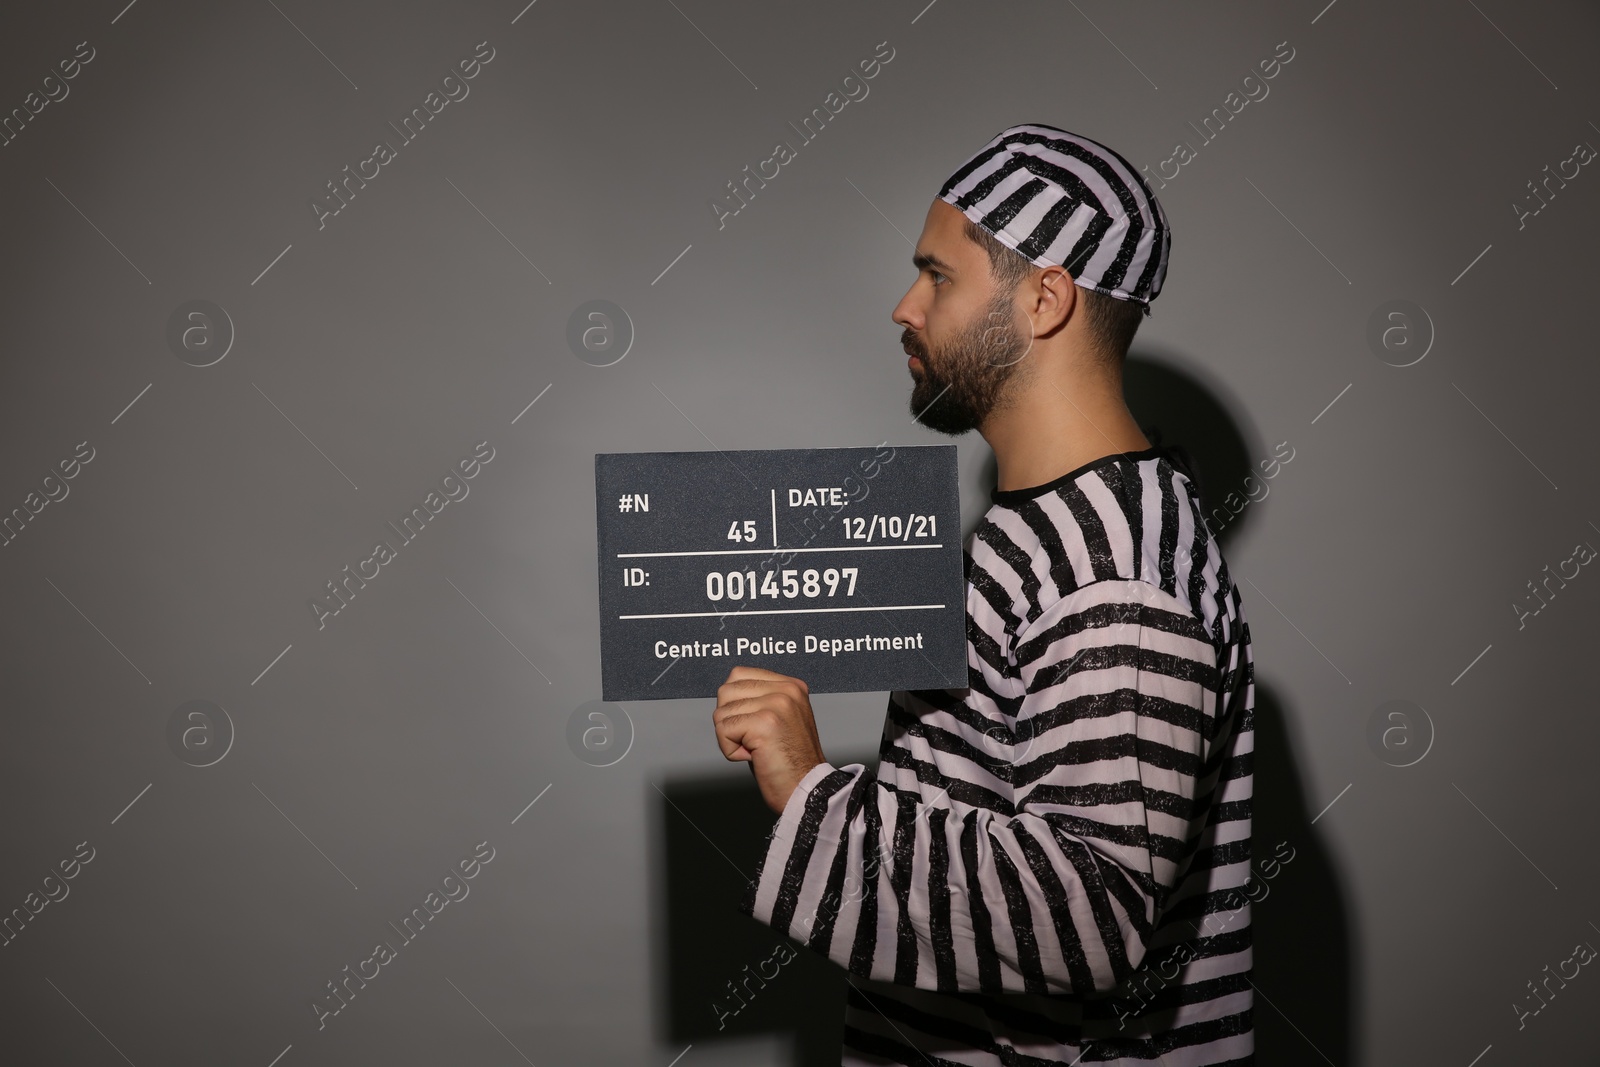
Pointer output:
x,y
911,341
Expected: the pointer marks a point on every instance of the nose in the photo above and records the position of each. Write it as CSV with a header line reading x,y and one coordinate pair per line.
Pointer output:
x,y
908,313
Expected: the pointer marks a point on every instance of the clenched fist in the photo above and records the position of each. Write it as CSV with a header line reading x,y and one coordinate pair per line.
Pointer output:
x,y
765,718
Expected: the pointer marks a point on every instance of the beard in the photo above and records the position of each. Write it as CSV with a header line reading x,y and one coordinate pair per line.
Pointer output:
x,y
966,377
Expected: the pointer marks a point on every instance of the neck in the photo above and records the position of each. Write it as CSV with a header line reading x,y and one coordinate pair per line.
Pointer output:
x,y
1054,423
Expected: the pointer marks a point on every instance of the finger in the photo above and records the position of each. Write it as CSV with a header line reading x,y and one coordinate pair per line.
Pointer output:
x,y
730,731
749,730
745,688
739,718
741,673
739,705
760,675
770,680
784,699
731,748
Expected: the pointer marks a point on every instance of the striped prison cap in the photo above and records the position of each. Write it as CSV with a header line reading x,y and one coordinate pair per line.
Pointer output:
x,y
1060,199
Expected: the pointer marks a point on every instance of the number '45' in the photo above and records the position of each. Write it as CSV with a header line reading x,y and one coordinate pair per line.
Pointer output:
x,y
742,532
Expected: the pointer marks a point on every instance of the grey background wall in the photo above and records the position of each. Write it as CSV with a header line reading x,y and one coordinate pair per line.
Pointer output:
x,y
228,864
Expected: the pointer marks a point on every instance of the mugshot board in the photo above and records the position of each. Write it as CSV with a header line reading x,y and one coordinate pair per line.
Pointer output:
x,y
839,566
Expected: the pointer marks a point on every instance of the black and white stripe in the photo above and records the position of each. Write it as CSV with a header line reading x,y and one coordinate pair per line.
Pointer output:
x,y
1060,199
1050,863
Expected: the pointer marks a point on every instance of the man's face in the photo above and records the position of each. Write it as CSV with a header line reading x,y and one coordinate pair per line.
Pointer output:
x,y
965,340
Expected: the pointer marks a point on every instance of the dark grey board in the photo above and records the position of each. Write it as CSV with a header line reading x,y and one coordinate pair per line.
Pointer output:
x,y
840,566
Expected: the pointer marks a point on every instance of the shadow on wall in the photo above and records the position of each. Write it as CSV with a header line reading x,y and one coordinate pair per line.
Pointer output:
x,y
1175,405
1300,919
722,976
1303,950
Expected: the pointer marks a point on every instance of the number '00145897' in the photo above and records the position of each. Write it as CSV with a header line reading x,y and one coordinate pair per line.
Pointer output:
x,y
789,584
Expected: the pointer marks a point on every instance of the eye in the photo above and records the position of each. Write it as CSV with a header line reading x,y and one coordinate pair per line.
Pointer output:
x,y
937,277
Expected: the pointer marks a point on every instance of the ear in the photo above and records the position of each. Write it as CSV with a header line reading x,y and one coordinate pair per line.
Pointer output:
x,y
1051,300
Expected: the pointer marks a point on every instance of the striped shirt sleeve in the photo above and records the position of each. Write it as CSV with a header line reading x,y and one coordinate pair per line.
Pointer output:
x,y
1054,889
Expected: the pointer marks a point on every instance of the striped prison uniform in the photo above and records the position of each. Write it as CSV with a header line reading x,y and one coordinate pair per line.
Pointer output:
x,y
1048,867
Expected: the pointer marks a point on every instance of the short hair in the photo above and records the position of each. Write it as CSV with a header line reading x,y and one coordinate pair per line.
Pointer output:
x,y
1111,322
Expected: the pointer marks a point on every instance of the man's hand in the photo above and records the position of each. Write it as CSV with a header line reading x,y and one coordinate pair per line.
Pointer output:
x,y
765,718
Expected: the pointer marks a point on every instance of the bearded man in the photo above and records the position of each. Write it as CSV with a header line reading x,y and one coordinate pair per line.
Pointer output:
x,y
1048,866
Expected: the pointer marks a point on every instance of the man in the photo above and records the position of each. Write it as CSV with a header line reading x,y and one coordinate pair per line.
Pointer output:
x,y
1049,865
